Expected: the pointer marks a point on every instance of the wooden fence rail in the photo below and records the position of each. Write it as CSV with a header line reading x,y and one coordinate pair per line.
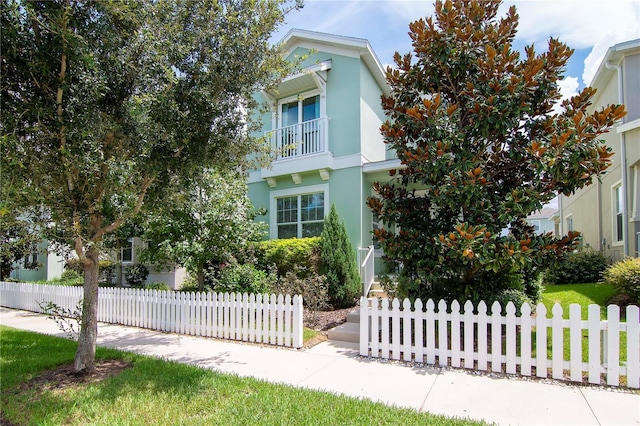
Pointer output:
x,y
449,336
271,319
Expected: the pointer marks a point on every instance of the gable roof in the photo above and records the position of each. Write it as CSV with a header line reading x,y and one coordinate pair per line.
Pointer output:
x,y
320,41
613,57
544,213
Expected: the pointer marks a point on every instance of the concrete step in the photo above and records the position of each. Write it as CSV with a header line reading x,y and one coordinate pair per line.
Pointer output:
x,y
354,317
380,294
376,286
347,332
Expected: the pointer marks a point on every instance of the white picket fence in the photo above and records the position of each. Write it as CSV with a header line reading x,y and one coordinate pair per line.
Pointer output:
x,y
276,320
447,336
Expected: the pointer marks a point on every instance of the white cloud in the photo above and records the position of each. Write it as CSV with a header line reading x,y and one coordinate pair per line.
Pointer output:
x,y
593,60
568,88
580,24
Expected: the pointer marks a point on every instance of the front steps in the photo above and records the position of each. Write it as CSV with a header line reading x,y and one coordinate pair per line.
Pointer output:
x,y
350,330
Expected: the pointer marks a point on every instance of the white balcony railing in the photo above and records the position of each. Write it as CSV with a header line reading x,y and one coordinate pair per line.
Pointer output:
x,y
308,137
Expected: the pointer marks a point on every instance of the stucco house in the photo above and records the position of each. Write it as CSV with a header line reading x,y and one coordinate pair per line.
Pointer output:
x,y
50,265
545,220
324,126
607,213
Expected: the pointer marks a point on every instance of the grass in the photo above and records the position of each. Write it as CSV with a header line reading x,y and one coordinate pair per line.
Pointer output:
x,y
584,295
308,334
159,392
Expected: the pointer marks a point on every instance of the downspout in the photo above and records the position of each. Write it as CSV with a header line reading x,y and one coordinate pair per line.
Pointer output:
x,y
601,243
623,154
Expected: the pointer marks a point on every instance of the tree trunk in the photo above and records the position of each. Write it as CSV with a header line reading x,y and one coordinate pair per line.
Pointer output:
x,y
201,278
86,353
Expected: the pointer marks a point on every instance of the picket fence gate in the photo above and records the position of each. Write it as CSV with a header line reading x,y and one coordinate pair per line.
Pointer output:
x,y
276,320
446,336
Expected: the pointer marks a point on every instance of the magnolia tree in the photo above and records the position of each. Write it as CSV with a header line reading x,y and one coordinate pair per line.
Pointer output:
x,y
107,104
481,147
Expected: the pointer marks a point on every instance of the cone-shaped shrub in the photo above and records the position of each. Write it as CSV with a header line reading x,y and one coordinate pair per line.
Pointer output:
x,y
339,262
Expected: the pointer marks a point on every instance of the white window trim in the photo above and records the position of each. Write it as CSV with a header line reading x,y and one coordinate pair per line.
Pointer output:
x,y
569,216
128,262
614,213
273,219
299,97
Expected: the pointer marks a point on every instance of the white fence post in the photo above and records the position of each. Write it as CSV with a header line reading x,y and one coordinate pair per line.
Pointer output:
x,y
633,347
364,325
613,345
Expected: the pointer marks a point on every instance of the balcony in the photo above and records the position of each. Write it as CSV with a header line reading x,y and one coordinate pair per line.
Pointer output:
x,y
298,140
300,148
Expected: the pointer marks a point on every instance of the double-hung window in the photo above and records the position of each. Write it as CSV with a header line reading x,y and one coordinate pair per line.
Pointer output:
x,y
126,251
618,234
299,216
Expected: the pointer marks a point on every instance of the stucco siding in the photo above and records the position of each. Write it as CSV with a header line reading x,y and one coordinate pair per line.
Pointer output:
x,y
372,116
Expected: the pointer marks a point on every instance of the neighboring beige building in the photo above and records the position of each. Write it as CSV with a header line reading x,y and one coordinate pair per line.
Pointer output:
x,y
607,213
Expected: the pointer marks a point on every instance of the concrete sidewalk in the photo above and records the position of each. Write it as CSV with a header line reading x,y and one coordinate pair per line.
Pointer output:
x,y
336,367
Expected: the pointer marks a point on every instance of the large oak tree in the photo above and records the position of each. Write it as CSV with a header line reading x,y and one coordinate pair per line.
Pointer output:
x,y
107,104
473,123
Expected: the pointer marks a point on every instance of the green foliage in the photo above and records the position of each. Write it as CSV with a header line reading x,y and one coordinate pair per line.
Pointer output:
x,y
71,276
339,262
314,291
586,266
301,256
624,277
136,275
156,285
107,107
206,224
244,278
190,284
473,125
17,239
106,268
68,320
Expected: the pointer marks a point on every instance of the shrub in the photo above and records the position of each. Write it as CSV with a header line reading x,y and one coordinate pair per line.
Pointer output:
x,y
585,266
136,275
244,278
107,269
301,256
313,290
156,285
624,277
518,297
70,275
339,262
191,284
107,272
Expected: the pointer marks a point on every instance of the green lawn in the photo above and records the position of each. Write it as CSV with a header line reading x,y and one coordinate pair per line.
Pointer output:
x,y
582,294
167,393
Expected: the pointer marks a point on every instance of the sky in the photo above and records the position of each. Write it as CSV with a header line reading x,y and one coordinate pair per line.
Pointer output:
x,y
588,26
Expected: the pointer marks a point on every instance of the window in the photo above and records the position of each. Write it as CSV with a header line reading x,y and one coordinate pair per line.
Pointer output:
x,y
536,225
299,132
126,252
300,216
31,260
569,221
618,234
